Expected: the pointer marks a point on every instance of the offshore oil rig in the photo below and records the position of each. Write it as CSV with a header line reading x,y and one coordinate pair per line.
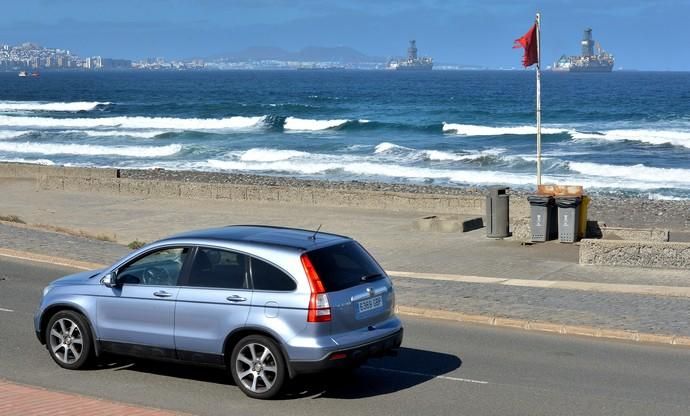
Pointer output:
x,y
592,59
412,63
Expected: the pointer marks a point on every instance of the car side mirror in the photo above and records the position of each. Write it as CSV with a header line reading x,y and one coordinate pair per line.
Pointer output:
x,y
110,279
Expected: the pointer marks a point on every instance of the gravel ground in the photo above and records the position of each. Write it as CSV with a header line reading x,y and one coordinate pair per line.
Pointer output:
x,y
619,211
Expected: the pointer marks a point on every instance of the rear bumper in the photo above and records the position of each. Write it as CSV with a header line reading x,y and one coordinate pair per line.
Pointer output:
x,y
351,356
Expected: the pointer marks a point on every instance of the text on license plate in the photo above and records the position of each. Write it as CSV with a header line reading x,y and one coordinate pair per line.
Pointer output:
x,y
369,304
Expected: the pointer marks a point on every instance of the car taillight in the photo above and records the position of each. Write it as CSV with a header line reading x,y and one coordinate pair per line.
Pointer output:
x,y
319,309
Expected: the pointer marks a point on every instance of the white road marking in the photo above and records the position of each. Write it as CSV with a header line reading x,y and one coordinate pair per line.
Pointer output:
x,y
6,310
414,373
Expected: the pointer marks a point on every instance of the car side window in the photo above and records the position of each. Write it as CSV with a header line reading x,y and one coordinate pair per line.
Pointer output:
x,y
159,268
216,268
269,277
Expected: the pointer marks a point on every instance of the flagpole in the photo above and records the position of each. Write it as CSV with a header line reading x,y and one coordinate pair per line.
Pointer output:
x,y
538,99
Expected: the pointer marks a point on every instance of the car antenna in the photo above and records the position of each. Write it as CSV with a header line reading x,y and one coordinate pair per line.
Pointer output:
x,y
313,237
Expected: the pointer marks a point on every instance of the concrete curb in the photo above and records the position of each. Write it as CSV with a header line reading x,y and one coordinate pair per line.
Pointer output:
x,y
497,321
528,325
636,289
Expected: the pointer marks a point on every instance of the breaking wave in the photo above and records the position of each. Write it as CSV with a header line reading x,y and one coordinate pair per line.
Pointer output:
x,y
435,155
119,133
90,150
167,123
300,124
46,162
639,173
476,130
674,137
270,155
11,134
72,107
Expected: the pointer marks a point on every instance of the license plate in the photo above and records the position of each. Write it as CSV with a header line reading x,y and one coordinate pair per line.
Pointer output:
x,y
369,304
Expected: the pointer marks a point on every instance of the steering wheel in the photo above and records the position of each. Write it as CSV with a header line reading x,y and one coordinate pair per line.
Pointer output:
x,y
156,276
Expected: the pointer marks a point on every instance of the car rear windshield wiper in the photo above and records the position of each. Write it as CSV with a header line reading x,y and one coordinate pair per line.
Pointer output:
x,y
370,276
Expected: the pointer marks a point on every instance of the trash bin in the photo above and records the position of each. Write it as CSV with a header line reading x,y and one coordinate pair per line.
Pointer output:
x,y
568,218
543,217
582,230
497,212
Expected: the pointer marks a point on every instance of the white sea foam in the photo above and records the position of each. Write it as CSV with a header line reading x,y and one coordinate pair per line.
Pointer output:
x,y
300,124
50,106
141,123
270,155
674,137
592,177
33,161
638,173
11,134
278,166
89,150
438,155
374,169
119,133
477,130
660,197
434,155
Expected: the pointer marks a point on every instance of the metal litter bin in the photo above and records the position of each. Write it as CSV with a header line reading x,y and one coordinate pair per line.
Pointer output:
x,y
543,217
497,212
568,218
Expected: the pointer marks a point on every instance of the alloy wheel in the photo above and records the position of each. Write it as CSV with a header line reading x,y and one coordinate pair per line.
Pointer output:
x,y
256,367
66,341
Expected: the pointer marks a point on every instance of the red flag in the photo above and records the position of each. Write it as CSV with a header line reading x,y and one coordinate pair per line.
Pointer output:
x,y
529,42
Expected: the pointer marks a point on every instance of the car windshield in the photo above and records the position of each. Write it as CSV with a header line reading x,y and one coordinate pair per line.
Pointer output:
x,y
344,265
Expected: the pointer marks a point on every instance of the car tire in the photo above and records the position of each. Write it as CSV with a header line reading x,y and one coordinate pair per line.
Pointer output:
x,y
68,340
258,367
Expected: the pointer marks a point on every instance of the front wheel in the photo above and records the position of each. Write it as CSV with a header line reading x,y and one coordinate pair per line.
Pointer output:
x,y
68,340
258,367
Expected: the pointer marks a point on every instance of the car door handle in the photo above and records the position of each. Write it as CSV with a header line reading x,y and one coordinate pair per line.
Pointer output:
x,y
162,294
236,298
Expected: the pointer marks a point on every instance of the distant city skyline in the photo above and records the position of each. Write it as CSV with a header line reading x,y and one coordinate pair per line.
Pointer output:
x,y
644,35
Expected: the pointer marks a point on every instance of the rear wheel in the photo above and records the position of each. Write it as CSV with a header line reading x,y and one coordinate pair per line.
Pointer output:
x,y
258,367
68,340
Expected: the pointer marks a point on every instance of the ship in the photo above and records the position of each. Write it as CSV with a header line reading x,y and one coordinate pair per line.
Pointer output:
x,y
592,59
23,74
413,62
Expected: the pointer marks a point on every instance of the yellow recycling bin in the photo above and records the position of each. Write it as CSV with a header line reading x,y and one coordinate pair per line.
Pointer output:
x,y
582,226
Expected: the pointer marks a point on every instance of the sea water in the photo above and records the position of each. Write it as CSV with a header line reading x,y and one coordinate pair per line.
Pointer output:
x,y
618,133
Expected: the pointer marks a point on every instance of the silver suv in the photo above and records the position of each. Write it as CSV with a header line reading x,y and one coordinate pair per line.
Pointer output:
x,y
268,303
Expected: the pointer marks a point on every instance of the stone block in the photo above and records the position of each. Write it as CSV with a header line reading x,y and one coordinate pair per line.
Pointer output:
x,y
635,253
636,234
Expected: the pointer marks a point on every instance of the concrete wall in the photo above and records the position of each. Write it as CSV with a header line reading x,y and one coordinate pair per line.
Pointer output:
x,y
635,253
109,181
312,196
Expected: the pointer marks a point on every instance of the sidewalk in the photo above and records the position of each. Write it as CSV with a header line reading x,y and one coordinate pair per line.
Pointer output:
x,y
392,240
20,400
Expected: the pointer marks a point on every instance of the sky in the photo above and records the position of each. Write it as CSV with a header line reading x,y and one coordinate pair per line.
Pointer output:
x,y
642,34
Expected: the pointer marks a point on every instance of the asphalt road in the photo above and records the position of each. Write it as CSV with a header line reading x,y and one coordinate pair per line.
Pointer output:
x,y
444,369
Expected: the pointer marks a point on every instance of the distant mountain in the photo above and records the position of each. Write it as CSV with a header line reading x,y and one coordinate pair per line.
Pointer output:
x,y
341,54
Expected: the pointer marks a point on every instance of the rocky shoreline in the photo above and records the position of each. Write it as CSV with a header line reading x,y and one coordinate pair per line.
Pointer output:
x,y
619,211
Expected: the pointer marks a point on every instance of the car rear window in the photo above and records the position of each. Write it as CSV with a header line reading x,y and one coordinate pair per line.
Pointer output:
x,y
344,265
